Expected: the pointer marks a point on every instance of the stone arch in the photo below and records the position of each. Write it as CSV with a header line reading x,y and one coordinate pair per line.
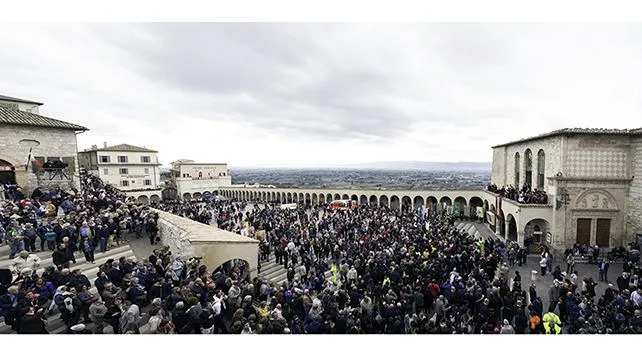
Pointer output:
x,y
321,198
536,230
511,235
383,200
207,193
473,204
328,198
459,206
432,203
307,199
596,199
284,197
373,200
345,197
337,196
289,198
501,223
143,199
394,203
355,198
187,196
295,197
315,199
278,197
169,193
196,195
363,200
234,264
154,198
445,203
418,201
406,203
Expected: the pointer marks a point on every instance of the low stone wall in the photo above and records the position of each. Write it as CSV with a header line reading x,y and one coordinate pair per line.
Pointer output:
x,y
189,238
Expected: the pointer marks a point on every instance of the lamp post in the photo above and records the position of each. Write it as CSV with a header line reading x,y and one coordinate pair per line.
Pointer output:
x,y
560,202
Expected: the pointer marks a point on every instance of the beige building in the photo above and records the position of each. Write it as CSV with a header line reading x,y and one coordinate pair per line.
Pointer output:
x,y
22,128
593,178
195,179
132,169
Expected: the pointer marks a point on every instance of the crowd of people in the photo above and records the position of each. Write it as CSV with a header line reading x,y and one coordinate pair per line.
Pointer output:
x,y
525,195
367,270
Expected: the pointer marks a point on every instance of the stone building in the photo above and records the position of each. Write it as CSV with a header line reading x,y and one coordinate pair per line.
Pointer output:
x,y
592,178
132,169
195,179
22,128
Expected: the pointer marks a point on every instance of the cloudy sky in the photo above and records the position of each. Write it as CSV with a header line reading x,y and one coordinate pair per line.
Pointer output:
x,y
291,94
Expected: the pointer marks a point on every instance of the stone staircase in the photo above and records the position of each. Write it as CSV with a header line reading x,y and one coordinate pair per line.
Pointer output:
x,y
469,228
276,273
54,323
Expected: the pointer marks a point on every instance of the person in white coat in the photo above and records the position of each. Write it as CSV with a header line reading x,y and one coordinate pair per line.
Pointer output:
x,y
24,260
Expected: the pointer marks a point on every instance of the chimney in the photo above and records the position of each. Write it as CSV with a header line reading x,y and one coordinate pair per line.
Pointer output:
x,y
104,144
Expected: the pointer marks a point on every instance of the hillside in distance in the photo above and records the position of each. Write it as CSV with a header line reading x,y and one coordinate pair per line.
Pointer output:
x,y
426,166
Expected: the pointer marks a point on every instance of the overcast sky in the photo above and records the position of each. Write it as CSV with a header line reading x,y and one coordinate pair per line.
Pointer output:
x,y
290,94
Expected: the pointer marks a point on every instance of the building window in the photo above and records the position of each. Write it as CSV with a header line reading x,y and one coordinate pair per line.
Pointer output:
x,y
528,155
104,159
123,171
200,174
145,159
541,159
517,164
146,170
148,182
122,159
124,183
105,171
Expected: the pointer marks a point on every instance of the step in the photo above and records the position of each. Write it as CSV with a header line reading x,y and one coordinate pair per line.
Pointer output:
x,y
79,257
90,270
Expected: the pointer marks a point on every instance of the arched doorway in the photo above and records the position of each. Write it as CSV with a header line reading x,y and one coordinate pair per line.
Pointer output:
x,y
512,228
419,201
373,200
383,201
355,198
445,203
394,203
143,199
406,203
315,199
321,198
238,269
187,196
363,200
197,195
154,198
535,231
432,204
328,198
307,199
7,173
345,197
474,203
501,223
459,206
337,197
